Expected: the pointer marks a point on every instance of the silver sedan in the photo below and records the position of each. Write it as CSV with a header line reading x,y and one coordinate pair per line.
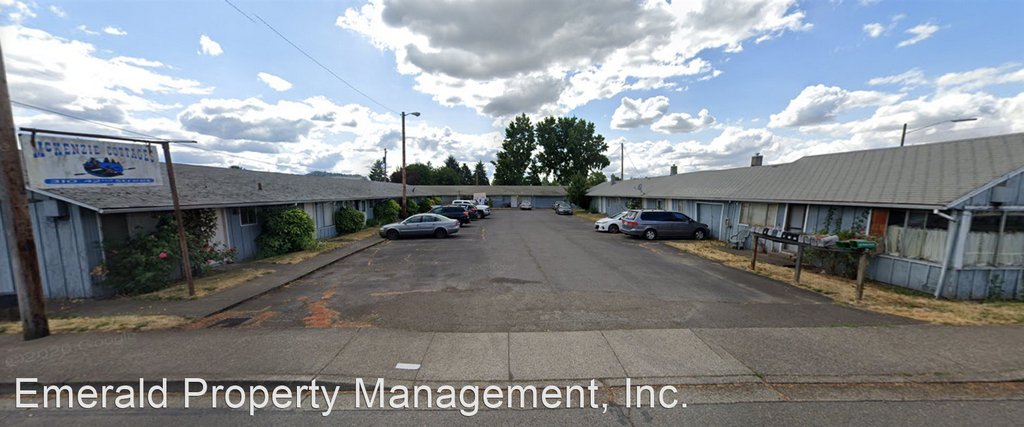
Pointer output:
x,y
424,224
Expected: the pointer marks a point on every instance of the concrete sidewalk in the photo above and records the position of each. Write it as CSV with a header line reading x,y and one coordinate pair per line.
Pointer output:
x,y
220,301
902,354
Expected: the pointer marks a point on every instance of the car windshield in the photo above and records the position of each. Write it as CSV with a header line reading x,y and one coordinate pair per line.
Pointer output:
x,y
619,215
630,215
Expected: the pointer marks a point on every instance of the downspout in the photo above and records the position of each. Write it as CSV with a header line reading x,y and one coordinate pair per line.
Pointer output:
x,y
950,242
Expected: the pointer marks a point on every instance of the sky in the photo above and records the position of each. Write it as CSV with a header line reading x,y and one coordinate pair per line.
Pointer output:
x,y
299,86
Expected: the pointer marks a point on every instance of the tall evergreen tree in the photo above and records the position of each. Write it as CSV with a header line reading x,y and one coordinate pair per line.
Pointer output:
x,y
532,175
569,146
467,175
480,175
516,152
377,172
451,163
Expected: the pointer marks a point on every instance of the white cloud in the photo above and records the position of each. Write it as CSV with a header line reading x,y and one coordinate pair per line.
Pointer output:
x,y
981,77
57,11
684,123
907,80
114,31
920,33
18,11
820,104
274,82
502,58
86,30
634,113
209,47
874,29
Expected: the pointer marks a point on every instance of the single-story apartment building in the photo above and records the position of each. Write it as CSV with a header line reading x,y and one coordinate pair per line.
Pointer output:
x,y
71,226
950,211
539,196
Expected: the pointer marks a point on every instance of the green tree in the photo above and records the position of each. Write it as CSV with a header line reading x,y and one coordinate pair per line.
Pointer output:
x,y
447,176
570,146
377,172
451,163
387,211
516,152
576,191
532,175
417,173
286,230
480,175
596,177
467,175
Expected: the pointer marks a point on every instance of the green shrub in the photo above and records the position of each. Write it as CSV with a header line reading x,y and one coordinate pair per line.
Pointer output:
x,y
593,210
387,211
147,263
412,207
286,230
348,220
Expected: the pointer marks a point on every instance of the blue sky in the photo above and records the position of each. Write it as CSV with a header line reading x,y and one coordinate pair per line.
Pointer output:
x,y
697,84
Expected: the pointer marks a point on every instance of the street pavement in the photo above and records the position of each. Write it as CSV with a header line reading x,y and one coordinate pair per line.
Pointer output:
x,y
520,271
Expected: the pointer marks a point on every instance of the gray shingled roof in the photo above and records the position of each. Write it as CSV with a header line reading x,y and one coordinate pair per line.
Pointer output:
x,y
492,190
204,186
921,175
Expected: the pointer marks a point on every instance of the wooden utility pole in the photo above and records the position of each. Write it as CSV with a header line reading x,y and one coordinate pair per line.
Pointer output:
x,y
177,217
21,245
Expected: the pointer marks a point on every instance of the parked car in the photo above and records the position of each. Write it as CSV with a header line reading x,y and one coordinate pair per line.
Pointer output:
x,y
652,224
563,208
424,224
525,206
610,224
453,212
484,209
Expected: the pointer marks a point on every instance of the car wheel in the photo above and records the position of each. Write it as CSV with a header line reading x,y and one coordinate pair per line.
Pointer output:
x,y
440,233
613,229
650,234
392,234
700,234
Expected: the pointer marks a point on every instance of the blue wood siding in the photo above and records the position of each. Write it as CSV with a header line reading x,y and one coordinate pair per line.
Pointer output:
x,y
1016,185
243,238
546,201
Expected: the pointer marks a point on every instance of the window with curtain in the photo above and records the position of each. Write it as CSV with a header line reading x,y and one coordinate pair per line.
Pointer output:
x,y
916,235
758,214
328,209
984,241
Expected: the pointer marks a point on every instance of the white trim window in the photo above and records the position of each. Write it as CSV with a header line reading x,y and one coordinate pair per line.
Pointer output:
x,y
247,216
758,214
984,240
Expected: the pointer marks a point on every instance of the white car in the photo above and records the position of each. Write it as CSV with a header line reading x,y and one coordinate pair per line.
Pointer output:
x,y
610,224
484,209
525,206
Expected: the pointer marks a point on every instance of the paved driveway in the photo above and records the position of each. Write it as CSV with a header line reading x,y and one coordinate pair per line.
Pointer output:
x,y
537,271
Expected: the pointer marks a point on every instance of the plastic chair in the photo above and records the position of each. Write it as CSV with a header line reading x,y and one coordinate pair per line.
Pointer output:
x,y
740,238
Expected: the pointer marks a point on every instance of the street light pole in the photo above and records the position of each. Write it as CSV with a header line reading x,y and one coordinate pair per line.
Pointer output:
x,y
405,212
905,131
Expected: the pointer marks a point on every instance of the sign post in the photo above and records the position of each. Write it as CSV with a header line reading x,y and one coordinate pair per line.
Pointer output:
x,y
97,161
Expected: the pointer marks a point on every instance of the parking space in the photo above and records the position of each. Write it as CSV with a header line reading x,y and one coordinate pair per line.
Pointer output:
x,y
537,271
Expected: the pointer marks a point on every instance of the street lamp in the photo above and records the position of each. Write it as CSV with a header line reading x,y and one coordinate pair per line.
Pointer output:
x,y
905,131
405,212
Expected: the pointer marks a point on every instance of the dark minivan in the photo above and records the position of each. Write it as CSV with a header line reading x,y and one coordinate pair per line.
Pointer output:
x,y
453,212
652,224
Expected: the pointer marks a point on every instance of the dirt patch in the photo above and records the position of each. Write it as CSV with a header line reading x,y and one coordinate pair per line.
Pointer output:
x,y
103,324
877,296
580,213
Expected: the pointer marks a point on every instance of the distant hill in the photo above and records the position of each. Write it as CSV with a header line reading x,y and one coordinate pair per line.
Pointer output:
x,y
338,175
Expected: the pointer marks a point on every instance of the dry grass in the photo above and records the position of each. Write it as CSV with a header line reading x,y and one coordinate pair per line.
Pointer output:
x,y
206,285
587,215
104,324
322,246
877,296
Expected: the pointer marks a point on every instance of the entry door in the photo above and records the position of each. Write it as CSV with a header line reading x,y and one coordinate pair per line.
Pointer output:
x,y
711,215
795,222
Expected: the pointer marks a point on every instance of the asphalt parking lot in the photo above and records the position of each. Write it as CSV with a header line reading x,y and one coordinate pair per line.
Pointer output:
x,y
537,271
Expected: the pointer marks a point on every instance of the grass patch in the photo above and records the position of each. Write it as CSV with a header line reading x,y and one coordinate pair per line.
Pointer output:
x,y
104,324
206,285
582,213
877,296
322,246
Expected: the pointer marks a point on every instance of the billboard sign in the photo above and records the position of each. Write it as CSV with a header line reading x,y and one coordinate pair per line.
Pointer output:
x,y
480,198
58,162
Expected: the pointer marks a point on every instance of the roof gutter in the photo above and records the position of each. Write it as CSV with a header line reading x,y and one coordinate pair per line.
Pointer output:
x,y
64,199
809,202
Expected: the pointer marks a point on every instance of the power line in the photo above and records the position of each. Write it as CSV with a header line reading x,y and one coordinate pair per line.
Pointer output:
x,y
311,58
197,147
634,166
